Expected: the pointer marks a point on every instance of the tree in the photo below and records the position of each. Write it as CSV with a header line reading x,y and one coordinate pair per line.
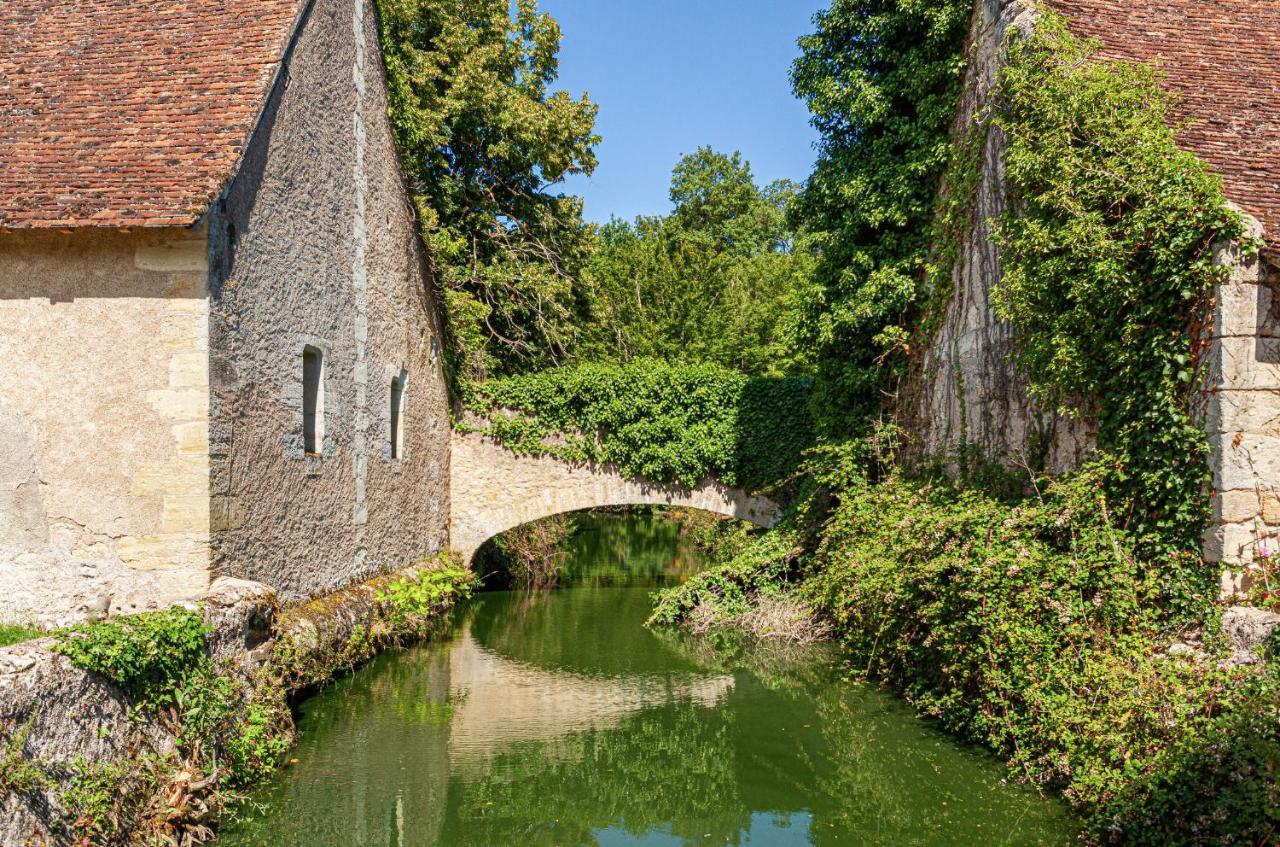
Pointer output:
x,y
882,80
486,141
717,280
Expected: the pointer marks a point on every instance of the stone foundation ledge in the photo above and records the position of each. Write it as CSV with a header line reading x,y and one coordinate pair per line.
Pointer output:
x,y
55,716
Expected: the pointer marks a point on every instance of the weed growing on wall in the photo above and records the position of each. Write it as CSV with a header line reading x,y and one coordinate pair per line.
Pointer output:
x,y
148,655
660,421
1108,252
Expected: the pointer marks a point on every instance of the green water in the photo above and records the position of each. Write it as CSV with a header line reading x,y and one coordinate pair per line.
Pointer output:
x,y
557,720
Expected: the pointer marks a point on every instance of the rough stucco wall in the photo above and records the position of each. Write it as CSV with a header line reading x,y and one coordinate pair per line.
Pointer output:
x,y
103,435
495,490
315,245
967,395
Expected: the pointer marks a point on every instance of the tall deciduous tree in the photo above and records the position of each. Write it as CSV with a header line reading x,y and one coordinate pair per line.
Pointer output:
x,y
882,79
717,280
486,141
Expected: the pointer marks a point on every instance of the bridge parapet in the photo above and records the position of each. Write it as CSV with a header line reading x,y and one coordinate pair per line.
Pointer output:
x,y
494,490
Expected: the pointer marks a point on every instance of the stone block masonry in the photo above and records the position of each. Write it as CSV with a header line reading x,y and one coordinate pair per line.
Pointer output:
x,y
494,490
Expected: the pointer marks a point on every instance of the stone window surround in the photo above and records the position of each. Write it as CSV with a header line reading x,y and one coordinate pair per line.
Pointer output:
x,y
295,438
392,372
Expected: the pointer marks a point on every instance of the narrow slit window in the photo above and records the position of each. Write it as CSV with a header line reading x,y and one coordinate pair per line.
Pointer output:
x,y
312,399
397,405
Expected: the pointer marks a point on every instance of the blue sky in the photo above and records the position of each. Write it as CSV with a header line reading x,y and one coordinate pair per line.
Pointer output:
x,y
673,75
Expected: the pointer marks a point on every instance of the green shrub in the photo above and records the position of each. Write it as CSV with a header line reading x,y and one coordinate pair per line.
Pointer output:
x,y
660,421
430,593
1032,628
148,655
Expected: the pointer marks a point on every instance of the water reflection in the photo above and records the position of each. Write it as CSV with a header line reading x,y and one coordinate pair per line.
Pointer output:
x,y
559,721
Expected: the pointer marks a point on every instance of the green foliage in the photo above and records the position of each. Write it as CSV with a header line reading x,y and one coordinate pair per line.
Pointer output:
x,y
882,79
720,280
17,633
1108,276
432,592
486,141
764,566
18,774
147,655
101,795
1031,627
655,420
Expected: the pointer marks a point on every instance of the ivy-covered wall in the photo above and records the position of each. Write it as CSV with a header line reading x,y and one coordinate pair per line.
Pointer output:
x,y
1057,293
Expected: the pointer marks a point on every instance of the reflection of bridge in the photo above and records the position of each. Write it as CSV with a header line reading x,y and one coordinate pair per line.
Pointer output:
x,y
494,490
498,701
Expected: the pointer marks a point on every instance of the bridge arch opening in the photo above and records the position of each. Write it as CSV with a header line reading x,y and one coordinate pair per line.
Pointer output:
x,y
622,546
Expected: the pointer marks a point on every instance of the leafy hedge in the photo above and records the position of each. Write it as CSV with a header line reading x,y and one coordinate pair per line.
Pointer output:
x,y
660,421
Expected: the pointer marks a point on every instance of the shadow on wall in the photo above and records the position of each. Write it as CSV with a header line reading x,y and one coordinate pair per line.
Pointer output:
x,y
774,429
1267,347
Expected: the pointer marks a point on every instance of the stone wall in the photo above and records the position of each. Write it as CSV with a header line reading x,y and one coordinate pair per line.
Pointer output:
x,y
495,490
1243,417
315,244
104,459
966,395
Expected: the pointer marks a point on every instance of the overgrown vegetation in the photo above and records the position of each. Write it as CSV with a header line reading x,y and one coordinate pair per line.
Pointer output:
x,y
530,557
882,79
1032,627
1109,271
663,422
11,633
1028,614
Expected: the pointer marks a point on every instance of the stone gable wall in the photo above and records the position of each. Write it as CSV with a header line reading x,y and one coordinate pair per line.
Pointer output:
x,y
315,244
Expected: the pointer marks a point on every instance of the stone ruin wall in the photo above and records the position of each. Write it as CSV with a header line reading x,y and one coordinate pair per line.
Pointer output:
x,y
967,396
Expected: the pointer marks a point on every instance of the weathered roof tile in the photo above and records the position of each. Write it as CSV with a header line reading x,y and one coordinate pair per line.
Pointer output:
x,y
1222,58
129,112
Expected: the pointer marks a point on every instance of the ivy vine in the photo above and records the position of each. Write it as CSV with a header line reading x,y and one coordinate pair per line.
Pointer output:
x,y
1109,271
657,420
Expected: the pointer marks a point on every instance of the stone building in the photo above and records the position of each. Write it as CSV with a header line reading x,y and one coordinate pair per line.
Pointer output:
x,y
219,348
1220,59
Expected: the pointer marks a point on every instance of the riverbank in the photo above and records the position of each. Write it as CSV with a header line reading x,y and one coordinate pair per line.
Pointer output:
x,y
141,729
1029,625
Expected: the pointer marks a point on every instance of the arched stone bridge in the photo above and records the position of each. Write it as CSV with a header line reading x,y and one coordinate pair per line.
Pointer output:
x,y
494,490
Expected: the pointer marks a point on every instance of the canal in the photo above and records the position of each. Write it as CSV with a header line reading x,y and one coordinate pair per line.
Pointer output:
x,y
557,720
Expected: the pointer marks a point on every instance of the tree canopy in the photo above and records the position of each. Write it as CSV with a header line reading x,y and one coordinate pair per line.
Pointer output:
x,y
719,280
486,141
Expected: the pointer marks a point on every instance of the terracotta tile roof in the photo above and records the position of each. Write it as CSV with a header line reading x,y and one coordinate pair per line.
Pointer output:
x,y
129,112
1222,57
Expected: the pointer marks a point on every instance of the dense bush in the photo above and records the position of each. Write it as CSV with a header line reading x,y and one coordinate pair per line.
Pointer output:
x,y
663,422
148,655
